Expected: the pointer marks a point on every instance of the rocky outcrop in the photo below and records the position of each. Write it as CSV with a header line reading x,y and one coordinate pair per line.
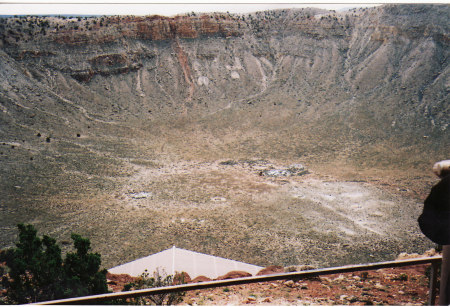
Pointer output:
x,y
87,74
155,28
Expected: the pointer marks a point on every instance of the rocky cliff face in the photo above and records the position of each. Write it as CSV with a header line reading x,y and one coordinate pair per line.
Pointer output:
x,y
82,99
392,58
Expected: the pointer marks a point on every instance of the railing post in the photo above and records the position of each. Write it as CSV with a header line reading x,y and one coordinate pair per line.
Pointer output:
x,y
433,283
444,293
255,279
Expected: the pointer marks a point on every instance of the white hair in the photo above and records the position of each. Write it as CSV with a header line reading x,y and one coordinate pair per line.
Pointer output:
x,y
442,168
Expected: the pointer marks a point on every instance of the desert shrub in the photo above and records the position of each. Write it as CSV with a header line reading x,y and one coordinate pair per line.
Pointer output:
x,y
364,275
36,271
159,279
401,277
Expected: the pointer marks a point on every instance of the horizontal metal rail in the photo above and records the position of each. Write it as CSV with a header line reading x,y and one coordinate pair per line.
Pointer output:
x,y
247,280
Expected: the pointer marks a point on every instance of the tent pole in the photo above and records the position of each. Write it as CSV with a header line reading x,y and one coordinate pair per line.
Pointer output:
x,y
173,261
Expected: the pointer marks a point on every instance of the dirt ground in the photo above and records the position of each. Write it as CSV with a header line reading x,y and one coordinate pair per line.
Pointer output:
x,y
211,206
406,286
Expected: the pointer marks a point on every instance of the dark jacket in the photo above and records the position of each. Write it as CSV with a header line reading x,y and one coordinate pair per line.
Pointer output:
x,y
435,219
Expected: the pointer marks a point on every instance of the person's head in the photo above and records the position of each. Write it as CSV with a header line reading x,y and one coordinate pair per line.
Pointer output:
x,y
434,222
442,168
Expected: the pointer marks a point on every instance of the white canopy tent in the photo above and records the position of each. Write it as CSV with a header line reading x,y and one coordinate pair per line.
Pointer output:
x,y
181,260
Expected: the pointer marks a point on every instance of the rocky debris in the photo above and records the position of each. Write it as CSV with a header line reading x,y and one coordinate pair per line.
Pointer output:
x,y
276,173
234,274
272,269
341,289
292,170
348,288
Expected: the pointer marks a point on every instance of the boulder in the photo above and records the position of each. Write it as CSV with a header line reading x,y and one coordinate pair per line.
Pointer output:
x,y
120,278
289,283
200,278
272,269
234,274
116,282
249,300
299,268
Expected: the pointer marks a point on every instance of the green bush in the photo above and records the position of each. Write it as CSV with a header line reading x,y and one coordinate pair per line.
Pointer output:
x,y
35,270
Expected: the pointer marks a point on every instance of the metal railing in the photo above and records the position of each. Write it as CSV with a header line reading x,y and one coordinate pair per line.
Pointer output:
x,y
434,261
